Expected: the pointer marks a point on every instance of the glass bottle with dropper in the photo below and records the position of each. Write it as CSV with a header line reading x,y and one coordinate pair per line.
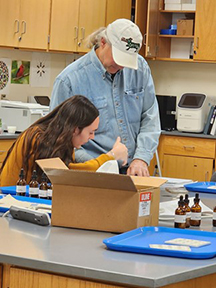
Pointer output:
x,y
34,186
180,214
43,187
187,210
21,184
196,210
214,217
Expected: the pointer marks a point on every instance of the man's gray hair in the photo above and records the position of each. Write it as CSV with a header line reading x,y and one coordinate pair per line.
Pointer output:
x,y
94,39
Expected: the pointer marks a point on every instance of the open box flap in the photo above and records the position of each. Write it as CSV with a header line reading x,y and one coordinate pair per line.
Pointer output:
x,y
145,182
90,179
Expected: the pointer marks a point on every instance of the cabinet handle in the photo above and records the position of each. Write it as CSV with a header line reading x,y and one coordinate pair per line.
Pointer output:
x,y
24,30
197,42
144,39
206,176
188,147
83,36
76,32
17,24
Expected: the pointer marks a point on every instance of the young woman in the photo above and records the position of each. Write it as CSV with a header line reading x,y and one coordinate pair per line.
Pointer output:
x,y
68,126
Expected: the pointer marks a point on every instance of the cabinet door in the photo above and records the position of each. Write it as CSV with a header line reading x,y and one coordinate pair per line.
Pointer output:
x,y
117,9
91,17
10,24
64,25
4,147
205,40
34,24
152,28
197,169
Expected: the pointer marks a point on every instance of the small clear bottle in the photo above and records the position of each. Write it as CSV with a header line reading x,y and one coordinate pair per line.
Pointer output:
x,y
43,187
196,210
21,184
187,210
180,214
34,186
214,217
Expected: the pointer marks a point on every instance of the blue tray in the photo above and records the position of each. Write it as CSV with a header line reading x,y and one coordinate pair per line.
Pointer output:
x,y
138,241
204,187
12,190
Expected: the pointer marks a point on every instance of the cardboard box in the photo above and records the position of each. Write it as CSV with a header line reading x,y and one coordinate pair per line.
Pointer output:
x,y
185,27
188,7
102,201
172,7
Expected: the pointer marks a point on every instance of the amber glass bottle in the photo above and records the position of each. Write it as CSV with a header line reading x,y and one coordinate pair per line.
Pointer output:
x,y
187,210
34,186
49,191
43,187
214,217
21,184
180,214
196,212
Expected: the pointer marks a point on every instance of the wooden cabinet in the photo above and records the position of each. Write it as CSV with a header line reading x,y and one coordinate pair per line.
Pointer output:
x,y
72,21
5,145
24,23
117,9
204,40
179,47
187,157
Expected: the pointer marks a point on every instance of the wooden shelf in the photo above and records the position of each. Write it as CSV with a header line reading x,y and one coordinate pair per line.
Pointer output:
x,y
172,59
176,36
178,11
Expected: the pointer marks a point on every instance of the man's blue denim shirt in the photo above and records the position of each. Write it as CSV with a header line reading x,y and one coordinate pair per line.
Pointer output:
x,y
127,105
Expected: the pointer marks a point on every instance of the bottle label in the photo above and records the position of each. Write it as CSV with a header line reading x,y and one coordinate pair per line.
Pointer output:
x,y
214,215
20,189
49,192
188,214
195,215
33,191
42,193
180,218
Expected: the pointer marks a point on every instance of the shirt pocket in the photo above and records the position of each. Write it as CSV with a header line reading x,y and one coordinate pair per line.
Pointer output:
x,y
134,104
101,104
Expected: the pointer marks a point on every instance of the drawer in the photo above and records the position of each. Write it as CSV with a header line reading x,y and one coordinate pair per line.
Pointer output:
x,y
4,147
204,148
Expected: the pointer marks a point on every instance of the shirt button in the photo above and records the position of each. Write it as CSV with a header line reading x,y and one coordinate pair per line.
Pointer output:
x,y
124,139
114,85
116,103
120,121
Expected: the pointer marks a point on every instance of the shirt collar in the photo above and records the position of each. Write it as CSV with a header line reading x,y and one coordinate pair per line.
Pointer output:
x,y
99,66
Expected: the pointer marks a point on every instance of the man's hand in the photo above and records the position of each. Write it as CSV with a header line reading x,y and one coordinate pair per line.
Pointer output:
x,y
138,168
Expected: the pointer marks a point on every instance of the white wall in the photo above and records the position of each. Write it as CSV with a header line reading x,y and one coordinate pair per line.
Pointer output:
x,y
170,78
176,78
22,91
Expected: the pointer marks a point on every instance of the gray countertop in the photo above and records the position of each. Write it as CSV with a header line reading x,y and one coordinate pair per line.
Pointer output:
x,y
81,253
6,135
186,134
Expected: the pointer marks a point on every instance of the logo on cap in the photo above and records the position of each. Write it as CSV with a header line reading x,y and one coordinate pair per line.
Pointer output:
x,y
131,44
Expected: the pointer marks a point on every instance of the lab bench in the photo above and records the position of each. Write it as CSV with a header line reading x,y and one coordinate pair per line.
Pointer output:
x,y
186,155
36,256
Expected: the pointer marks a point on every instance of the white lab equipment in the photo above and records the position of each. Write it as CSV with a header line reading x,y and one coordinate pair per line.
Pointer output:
x,y
20,114
191,112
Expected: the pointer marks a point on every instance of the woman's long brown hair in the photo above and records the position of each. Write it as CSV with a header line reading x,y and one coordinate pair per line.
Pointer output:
x,y
51,136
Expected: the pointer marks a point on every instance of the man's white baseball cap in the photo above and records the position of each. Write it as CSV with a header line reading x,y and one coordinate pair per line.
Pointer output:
x,y
126,40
